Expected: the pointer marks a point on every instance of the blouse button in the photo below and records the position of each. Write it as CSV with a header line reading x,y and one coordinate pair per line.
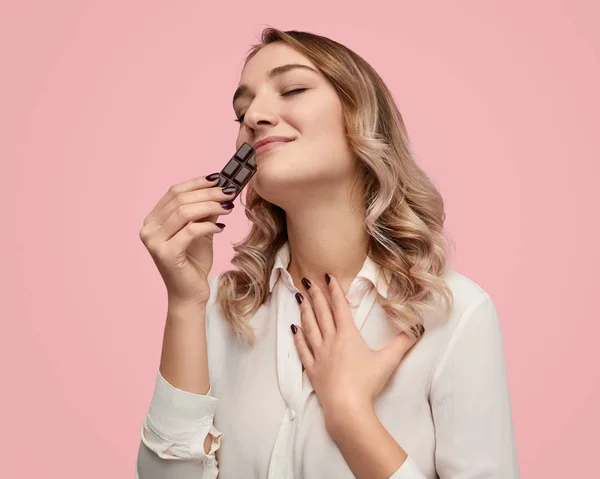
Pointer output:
x,y
206,420
292,414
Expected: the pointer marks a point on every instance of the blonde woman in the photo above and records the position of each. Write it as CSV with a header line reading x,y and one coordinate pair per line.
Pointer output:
x,y
342,345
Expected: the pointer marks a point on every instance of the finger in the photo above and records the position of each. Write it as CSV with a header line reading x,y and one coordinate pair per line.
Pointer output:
x,y
193,230
339,306
204,195
325,322
322,312
309,323
185,214
303,349
189,185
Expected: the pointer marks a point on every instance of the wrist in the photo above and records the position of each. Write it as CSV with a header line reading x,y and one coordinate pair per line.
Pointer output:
x,y
348,415
186,309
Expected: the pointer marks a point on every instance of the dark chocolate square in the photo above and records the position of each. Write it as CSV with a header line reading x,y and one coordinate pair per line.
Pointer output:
x,y
244,151
231,167
222,182
242,175
239,169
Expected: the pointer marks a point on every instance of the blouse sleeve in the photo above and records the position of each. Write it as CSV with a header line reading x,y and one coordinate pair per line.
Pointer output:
x,y
408,470
176,426
470,401
173,434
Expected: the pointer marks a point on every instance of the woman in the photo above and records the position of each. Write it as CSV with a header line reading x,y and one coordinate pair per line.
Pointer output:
x,y
342,346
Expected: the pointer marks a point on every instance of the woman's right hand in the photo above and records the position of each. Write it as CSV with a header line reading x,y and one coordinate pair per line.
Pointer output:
x,y
178,233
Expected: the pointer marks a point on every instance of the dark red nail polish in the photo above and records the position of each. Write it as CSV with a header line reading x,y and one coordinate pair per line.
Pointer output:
x,y
306,283
327,278
294,328
419,330
299,298
229,190
212,176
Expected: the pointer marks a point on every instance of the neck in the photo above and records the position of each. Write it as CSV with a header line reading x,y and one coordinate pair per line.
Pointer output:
x,y
327,239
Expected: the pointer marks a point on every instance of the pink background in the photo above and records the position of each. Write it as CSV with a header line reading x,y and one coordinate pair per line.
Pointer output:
x,y
104,105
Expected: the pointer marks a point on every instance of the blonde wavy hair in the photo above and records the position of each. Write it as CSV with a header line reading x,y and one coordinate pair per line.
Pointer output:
x,y
404,211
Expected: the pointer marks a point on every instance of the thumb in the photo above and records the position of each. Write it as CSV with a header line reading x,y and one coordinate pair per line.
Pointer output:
x,y
392,353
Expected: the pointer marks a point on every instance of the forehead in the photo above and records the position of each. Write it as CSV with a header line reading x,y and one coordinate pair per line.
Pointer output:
x,y
269,57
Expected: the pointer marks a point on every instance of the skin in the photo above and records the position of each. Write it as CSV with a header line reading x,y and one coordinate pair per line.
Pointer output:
x,y
311,178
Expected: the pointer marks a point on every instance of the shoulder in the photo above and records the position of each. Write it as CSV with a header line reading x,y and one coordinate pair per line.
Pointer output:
x,y
471,304
473,320
467,296
464,289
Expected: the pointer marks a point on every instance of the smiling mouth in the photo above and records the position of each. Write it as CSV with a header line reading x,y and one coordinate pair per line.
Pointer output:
x,y
270,146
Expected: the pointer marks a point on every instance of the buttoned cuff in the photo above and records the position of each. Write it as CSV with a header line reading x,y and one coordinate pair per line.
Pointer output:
x,y
179,416
408,470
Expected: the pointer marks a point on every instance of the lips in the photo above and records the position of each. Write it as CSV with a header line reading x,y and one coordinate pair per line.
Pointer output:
x,y
270,139
269,146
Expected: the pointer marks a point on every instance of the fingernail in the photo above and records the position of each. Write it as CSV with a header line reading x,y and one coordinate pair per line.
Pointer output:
x,y
299,298
419,329
227,205
327,278
212,176
294,328
220,225
229,190
306,283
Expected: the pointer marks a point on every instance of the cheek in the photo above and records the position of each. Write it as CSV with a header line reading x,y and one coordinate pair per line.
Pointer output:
x,y
326,117
319,114
321,127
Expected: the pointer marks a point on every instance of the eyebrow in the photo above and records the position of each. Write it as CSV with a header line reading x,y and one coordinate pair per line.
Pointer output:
x,y
280,70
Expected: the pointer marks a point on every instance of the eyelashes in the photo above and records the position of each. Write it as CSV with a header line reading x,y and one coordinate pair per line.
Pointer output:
x,y
297,90
240,119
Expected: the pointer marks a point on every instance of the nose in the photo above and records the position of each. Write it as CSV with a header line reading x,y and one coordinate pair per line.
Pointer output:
x,y
260,114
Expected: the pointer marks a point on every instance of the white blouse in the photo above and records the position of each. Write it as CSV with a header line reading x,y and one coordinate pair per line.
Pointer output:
x,y
447,405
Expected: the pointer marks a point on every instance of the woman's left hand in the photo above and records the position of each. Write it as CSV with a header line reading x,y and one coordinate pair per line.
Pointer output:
x,y
345,373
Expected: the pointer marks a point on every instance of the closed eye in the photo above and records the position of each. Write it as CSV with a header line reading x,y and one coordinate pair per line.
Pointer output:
x,y
293,91
240,119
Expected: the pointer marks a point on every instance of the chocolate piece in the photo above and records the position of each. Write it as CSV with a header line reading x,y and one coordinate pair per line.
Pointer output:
x,y
239,170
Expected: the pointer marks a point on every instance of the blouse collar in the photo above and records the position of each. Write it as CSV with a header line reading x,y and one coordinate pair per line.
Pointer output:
x,y
370,271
